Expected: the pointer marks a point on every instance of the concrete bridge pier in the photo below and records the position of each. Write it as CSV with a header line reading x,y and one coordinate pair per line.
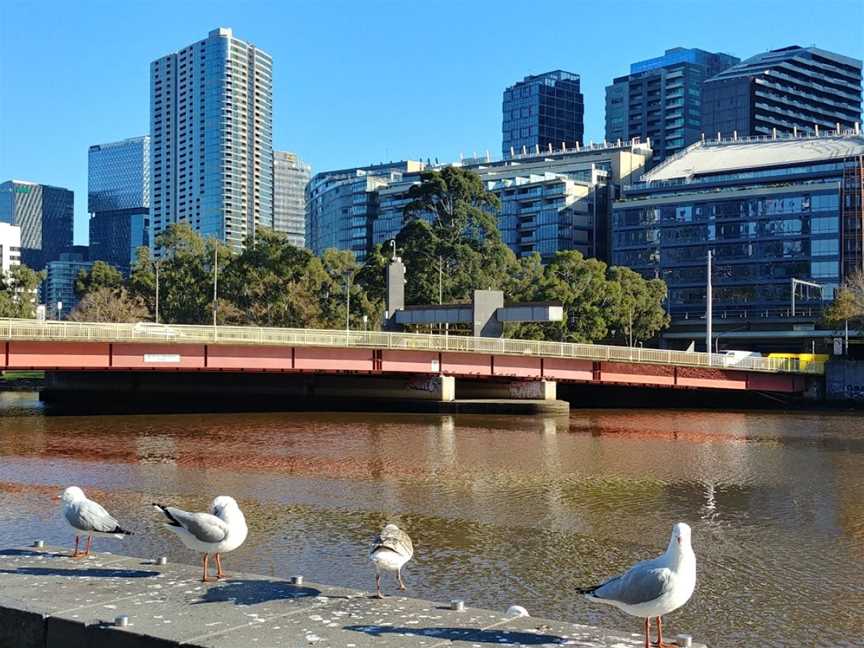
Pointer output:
x,y
542,390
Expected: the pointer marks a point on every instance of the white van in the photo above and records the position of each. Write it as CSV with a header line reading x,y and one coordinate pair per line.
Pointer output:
x,y
735,358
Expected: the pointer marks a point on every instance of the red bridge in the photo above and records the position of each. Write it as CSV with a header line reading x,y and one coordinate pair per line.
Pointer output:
x,y
428,362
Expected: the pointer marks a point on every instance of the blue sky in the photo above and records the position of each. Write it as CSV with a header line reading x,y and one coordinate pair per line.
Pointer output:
x,y
357,82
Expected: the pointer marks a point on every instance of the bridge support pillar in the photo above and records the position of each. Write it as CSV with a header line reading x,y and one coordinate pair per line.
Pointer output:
x,y
440,388
516,390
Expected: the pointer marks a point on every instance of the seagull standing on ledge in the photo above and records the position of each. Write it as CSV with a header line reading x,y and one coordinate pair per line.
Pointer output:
x,y
391,549
86,516
218,532
653,588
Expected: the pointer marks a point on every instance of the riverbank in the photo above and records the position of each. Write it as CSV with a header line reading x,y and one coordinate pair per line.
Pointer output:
x,y
49,600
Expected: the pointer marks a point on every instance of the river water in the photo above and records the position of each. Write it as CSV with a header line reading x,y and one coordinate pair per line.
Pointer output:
x,y
502,510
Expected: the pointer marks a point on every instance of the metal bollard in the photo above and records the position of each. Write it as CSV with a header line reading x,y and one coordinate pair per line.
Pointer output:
x,y
121,621
684,640
296,580
39,544
161,560
458,605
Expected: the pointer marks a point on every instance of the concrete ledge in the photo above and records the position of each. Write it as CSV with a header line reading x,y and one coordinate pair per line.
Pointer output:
x,y
51,601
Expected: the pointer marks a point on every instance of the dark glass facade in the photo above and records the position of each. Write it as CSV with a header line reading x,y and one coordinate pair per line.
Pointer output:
x,y
794,89
661,99
118,198
764,224
45,216
543,110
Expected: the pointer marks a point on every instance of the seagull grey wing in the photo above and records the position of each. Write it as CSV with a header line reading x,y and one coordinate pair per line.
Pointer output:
x,y
87,515
204,526
397,541
638,585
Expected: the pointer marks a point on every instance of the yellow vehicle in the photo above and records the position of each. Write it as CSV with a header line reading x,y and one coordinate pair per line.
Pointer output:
x,y
804,359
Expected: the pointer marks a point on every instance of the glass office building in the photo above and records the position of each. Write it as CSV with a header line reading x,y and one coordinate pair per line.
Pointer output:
x,y
542,111
769,210
211,129
290,177
45,216
790,90
341,206
118,199
661,99
58,289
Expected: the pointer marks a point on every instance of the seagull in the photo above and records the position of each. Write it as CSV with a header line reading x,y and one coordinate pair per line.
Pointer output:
x,y
391,549
220,531
653,588
86,516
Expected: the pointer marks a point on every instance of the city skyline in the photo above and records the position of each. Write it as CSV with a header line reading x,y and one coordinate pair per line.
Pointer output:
x,y
350,121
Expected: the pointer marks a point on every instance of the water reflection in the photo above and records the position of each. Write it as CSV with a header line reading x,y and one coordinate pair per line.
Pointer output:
x,y
503,510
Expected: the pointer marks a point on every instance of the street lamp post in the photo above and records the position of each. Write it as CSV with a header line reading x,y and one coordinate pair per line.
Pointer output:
x,y
215,280
156,265
347,302
709,315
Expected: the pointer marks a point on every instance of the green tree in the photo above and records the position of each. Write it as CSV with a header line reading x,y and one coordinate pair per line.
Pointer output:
x,y
457,203
450,243
106,304
100,275
341,270
581,287
273,283
185,275
848,304
18,290
637,312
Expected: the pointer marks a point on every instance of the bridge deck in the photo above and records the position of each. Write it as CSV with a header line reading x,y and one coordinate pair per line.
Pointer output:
x,y
13,330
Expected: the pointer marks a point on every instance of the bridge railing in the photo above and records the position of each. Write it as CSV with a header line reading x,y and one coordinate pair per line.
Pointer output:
x,y
18,329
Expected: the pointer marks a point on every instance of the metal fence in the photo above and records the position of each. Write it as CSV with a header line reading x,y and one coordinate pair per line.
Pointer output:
x,y
18,329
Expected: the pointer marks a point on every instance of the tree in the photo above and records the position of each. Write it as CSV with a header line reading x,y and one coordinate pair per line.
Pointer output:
x,y
18,289
457,203
106,304
848,304
100,275
273,283
637,313
185,275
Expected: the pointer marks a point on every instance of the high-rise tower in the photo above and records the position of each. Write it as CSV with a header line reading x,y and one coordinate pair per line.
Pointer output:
x,y
211,128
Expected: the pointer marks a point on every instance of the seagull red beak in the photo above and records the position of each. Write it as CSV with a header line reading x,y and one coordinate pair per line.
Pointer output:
x,y
56,497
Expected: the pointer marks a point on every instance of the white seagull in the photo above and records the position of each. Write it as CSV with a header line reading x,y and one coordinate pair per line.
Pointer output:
x,y
86,516
220,531
653,588
391,549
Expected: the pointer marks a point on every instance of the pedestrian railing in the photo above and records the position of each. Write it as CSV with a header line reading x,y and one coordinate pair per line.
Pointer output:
x,y
59,331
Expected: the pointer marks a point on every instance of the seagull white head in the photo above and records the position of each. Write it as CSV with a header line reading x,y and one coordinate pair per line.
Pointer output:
x,y
680,537
72,494
224,504
390,527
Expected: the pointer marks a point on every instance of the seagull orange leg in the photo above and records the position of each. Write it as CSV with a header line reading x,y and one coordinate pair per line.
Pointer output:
x,y
204,578
219,572
89,544
75,551
647,629
660,643
401,582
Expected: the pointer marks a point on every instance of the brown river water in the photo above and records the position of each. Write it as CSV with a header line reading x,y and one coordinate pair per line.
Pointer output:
x,y
502,510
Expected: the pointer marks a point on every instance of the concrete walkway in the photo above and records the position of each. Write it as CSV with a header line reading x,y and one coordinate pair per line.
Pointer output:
x,y
48,600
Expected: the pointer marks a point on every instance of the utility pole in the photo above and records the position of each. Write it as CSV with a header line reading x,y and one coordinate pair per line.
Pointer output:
x,y
348,302
709,315
215,279
156,265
